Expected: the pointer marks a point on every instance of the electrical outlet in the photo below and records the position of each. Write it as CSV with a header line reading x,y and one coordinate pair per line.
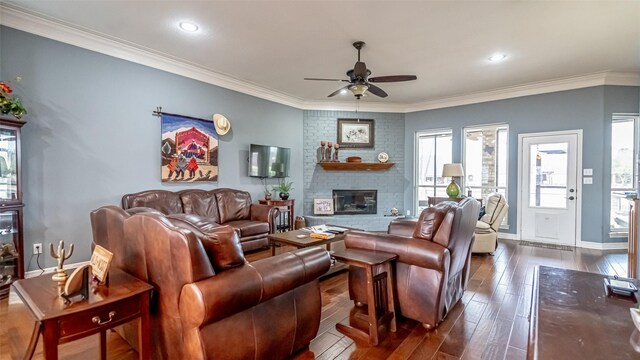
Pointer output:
x,y
37,248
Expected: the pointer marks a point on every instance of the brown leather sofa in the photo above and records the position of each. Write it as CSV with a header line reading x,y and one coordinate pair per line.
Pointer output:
x,y
432,269
223,206
208,302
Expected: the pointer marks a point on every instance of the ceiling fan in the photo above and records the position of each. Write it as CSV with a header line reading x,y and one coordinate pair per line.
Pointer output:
x,y
359,80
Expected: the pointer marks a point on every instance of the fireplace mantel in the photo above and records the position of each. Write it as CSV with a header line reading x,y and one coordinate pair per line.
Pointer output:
x,y
355,166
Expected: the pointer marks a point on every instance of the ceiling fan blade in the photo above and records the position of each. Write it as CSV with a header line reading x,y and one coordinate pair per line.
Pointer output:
x,y
392,78
338,91
360,70
320,79
376,91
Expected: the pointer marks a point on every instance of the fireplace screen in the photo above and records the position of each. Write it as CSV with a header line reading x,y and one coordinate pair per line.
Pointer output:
x,y
355,202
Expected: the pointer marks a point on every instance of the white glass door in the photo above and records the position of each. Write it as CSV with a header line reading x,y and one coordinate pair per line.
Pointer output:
x,y
548,191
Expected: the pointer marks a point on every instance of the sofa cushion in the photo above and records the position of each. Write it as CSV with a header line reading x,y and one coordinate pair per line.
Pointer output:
x,y
233,205
200,202
249,228
482,228
432,225
167,202
221,243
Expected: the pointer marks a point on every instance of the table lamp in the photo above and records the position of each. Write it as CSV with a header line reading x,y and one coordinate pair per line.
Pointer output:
x,y
452,170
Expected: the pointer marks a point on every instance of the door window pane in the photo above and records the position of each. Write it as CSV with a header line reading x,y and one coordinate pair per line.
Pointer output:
x,y
548,175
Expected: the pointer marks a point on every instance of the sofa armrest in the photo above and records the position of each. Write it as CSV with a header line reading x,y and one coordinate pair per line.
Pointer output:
x,y
241,288
402,227
412,251
266,213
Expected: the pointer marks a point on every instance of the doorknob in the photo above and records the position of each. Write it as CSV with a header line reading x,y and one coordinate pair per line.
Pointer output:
x,y
571,198
571,190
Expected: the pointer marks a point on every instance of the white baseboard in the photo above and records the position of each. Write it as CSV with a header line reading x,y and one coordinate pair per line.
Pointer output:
x,y
603,246
34,273
507,236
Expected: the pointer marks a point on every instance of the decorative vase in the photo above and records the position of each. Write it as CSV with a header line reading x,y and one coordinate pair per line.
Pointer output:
x,y
453,190
284,195
267,196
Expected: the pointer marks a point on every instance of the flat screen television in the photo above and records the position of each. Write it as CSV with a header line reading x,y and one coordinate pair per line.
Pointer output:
x,y
269,161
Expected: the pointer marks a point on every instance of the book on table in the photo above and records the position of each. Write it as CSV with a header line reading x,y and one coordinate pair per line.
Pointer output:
x,y
322,235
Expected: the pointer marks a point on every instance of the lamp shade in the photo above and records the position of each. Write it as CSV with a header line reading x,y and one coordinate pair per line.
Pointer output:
x,y
449,170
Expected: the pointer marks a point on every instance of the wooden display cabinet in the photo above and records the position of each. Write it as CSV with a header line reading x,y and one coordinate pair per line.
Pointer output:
x,y
11,232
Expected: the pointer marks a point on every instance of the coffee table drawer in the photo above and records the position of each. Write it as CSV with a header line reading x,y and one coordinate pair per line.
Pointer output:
x,y
92,321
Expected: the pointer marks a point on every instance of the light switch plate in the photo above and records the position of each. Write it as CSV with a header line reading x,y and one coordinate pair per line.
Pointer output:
x,y
587,172
587,180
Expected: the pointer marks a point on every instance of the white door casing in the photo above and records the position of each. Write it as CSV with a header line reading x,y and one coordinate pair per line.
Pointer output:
x,y
549,194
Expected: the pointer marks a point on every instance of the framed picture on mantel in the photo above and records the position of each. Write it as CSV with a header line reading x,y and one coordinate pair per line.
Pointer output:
x,y
356,133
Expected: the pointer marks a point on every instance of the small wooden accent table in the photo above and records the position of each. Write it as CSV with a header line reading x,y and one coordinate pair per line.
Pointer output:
x,y
125,298
380,299
285,223
572,318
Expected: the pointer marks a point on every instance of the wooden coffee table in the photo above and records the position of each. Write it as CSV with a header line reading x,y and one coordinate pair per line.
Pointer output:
x,y
290,238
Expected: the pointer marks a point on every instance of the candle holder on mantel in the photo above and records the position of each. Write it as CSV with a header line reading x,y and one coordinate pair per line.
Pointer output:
x,y
336,146
327,155
322,155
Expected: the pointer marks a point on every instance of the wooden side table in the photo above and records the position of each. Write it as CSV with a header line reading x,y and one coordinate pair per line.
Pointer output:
x,y
286,219
380,299
125,298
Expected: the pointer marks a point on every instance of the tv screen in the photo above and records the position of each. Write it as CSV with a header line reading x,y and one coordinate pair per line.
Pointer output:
x,y
269,161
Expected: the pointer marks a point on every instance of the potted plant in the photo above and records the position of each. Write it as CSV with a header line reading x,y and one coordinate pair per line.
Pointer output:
x,y
9,104
283,188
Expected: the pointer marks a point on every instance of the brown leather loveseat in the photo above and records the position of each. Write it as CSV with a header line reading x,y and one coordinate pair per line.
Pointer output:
x,y
223,206
432,269
208,302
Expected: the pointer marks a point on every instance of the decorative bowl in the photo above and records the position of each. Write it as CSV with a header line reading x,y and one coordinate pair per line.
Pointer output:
x,y
354,159
635,316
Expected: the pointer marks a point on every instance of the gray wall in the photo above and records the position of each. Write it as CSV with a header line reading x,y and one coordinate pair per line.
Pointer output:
x,y
589,109
389,137
90,136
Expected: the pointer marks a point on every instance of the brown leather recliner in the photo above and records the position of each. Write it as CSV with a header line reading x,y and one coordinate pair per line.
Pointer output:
x,y
432,269
224,206
208,301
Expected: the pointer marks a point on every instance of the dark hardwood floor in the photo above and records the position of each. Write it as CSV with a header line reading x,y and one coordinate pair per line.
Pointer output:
x,y
489,323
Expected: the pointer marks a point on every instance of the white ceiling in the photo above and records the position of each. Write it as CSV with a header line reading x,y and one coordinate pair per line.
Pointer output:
x,y
272,45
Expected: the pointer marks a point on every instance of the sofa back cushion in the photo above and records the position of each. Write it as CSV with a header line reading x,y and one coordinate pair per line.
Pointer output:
x,y
200,202
221,243
435,222
167,202
233,204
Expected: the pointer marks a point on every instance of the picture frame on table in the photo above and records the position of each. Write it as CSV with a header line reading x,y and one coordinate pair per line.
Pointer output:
x,y
323,207
356,133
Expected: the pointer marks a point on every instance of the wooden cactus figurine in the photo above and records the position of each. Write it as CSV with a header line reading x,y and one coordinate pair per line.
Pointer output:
x,y
60,276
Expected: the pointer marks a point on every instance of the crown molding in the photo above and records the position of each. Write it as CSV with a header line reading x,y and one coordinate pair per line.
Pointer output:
x,y
118,48
54,29
542,87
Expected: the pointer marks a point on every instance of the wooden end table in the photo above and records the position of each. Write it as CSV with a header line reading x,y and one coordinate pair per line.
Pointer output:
x,y
125,298
286,219
380,299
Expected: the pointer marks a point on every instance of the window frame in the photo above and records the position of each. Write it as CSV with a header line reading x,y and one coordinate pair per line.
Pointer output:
x,y
421,134
622,232
498,127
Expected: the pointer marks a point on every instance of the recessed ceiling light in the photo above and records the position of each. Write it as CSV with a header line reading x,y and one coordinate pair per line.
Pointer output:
x,y
497,57
188,26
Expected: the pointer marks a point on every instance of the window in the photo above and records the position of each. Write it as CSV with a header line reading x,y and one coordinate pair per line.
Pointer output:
x,y
485,160
434,150
623,171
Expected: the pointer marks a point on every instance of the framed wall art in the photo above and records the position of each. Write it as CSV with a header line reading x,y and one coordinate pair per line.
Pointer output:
x,y
322,206
356,133
189,149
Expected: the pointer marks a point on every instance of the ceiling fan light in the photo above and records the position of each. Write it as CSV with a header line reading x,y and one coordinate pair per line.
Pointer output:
x,y
343,91
358,89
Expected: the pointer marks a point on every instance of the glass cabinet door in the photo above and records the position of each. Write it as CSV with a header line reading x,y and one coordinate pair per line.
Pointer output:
x,y
8,164
9,245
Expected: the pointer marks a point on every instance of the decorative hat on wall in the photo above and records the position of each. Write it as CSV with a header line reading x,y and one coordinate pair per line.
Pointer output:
x,y
221,124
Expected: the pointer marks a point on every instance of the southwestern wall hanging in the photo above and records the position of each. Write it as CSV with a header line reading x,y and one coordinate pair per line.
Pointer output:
x,y
189,149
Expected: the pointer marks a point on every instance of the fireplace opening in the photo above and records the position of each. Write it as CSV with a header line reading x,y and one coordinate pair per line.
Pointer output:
x,y
355,202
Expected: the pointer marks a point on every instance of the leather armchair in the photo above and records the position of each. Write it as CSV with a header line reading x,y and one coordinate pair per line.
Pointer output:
x,y
486,231
432,269
208,301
